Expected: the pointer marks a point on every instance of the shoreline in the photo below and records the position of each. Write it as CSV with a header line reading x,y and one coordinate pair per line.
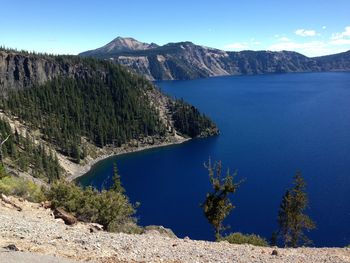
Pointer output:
x,y
81,170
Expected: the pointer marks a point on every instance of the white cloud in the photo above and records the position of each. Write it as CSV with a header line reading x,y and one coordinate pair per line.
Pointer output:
x,y
305,33
310,48
342,35
236,46
340,41
314,48
336,43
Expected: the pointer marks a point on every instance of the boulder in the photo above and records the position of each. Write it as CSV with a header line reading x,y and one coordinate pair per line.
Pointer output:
x,y
11,247
68,218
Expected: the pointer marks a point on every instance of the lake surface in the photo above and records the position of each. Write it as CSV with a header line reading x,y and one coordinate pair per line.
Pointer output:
x,y
271,125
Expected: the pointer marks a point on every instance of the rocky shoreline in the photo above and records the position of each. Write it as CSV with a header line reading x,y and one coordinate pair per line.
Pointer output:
x,y
134,146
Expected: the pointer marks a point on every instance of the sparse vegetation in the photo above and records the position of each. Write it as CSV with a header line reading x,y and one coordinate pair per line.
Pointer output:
x,y
239,238
23,188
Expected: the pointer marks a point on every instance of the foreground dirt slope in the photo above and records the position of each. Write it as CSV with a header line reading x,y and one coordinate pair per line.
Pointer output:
x,y
35,232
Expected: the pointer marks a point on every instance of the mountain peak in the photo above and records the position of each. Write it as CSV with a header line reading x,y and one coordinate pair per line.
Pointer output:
x,y
120,44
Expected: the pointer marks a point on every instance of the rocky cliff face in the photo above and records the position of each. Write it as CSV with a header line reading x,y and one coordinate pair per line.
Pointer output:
x,y
191,61
337,62
177,61
20,70
186,60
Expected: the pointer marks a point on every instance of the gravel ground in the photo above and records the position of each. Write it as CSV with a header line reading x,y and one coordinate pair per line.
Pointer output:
x,y
35,230
26,257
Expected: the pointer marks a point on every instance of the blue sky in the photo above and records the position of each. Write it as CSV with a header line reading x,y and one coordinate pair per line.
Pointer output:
x,y
71,26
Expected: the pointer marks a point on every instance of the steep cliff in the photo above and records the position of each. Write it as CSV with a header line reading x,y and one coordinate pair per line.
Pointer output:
x,y
186,60
20,69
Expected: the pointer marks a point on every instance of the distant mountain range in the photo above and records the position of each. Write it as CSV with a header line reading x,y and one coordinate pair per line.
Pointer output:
x,y
185,60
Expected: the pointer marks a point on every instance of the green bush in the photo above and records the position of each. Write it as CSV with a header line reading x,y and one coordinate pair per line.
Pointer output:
x,y
111,208
2,171
21,188
238,238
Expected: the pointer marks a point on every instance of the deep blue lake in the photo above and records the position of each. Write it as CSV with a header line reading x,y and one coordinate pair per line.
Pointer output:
x,y
271,126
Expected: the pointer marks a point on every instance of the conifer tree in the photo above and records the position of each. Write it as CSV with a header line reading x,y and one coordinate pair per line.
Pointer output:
x,y
291,218
117,184
217,205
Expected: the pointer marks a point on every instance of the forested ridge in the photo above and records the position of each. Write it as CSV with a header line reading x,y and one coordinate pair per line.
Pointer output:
x,y
102,102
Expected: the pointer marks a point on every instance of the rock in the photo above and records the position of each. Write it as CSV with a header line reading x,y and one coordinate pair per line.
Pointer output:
x,y
94,227
7,200
12,247
97,226
46,204
161,230
68,218
274,252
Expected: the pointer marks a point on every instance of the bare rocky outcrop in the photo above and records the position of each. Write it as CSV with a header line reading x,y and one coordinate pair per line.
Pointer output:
x,y
37,235
20,70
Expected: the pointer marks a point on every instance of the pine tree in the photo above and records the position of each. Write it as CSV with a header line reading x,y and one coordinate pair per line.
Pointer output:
x,y
291,218
117,184
217,205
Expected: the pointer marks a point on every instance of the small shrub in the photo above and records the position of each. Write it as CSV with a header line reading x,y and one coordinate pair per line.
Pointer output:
x,y
21,188
111,208
238,238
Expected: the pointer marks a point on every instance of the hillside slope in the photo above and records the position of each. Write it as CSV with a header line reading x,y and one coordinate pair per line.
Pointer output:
x,y
35,230
185,60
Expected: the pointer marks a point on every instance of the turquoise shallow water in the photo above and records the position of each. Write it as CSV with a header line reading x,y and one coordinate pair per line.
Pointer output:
x,y
271,125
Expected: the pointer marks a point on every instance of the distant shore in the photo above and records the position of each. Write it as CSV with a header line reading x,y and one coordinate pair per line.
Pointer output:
x,y
80,170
